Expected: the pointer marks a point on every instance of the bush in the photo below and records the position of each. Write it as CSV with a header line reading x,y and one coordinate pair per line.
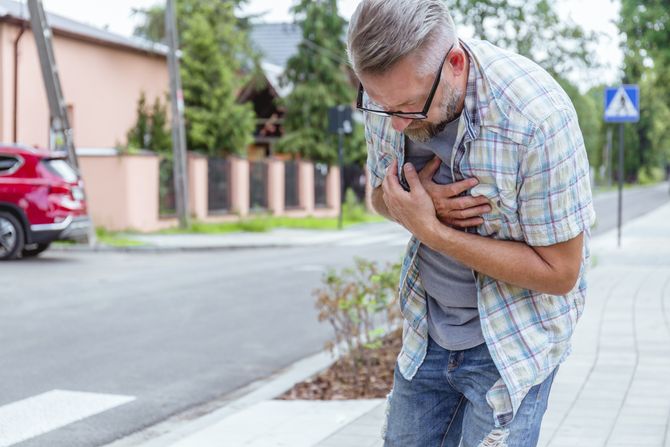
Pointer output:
x,y
361,304
648,176
352,209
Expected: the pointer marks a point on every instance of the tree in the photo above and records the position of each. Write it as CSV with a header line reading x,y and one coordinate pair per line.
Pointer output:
x,y
529,27
318,75
645,25
150,131
590,120
217,61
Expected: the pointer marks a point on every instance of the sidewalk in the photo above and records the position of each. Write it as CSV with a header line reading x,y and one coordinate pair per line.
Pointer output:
x,y
612,391
360,234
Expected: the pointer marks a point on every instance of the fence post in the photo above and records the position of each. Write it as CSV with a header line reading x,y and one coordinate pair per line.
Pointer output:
x,y
197,179
333,188
239,184
276,186
306,183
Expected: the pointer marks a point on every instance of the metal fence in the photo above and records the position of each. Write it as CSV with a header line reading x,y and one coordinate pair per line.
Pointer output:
x,y
291,185
218,185
167,204
354,179
320,175
258,185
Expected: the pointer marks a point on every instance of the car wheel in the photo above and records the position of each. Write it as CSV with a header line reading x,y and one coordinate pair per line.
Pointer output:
x,y
34,250
11,237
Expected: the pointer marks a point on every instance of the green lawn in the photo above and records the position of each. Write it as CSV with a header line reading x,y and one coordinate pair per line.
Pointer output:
x,y
266,223
112,239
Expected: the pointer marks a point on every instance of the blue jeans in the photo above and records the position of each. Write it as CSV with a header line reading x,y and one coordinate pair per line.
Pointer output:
x,y
444,405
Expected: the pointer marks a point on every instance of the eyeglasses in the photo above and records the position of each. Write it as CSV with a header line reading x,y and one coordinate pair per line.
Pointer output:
x,y
408,115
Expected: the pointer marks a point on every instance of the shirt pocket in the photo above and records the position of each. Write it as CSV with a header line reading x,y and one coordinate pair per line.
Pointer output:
x,y
499,186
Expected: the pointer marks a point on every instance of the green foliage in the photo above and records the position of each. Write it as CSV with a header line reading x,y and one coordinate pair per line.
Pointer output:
x,y
590,119
361,304
216,54
319,78
645,25
352,208
150,131
531,28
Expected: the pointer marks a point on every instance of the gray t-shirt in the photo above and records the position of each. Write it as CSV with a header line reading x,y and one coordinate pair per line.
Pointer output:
x,y
453,318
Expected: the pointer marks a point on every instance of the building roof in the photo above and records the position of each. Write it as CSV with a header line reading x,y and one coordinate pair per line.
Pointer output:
x,y
277,42
11,10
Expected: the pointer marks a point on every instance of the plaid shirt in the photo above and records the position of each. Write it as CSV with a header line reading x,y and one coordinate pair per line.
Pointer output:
x,y
519,136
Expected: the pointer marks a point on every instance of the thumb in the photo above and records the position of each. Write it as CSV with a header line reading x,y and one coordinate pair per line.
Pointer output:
x,y
411,176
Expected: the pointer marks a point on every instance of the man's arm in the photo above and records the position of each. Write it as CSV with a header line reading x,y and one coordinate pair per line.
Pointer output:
x,y
553,269
378,203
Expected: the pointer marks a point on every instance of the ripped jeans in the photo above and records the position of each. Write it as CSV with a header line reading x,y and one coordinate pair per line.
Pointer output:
x,y
444,405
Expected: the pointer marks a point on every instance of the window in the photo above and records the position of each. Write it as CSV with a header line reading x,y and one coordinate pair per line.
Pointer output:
x,y
62,169
8,164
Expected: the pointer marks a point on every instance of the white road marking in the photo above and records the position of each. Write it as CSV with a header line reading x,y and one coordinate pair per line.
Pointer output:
x,y
49,411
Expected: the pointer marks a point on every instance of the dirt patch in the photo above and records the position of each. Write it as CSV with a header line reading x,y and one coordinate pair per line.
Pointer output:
x,y
373,380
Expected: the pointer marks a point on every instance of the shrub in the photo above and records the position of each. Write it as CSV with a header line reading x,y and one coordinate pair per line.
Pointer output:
x,y
361,305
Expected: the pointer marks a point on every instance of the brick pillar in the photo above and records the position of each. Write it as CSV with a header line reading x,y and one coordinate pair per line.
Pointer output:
x,y
197,185
333,189
239,185
306,185
276,185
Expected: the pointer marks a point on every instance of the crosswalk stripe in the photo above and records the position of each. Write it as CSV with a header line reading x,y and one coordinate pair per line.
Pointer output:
x,y
36,415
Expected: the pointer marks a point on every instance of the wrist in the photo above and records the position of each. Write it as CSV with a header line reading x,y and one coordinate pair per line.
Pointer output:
x,y
436,233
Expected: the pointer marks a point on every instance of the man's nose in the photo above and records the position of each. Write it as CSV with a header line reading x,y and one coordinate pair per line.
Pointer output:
x,y
399,123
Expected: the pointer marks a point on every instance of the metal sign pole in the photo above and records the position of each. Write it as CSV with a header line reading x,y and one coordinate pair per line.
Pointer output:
x,y
340,156
178,131
622,105
621,174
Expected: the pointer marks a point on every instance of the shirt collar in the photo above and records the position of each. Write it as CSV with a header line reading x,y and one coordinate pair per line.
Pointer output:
x,y
470,114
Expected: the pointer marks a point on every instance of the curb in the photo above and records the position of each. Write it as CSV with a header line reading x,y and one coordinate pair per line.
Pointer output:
x,y
191,421
157,249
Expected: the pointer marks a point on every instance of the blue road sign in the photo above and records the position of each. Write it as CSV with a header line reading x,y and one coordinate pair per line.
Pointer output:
x,y
622,104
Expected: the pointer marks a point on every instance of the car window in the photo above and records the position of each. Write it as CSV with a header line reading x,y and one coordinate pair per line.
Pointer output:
x,y
62,169
7,163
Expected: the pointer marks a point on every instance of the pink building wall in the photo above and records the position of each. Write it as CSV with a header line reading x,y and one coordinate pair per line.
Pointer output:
x,y
102,84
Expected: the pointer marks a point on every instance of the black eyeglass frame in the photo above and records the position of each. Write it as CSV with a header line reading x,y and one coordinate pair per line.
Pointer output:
x,y
409,115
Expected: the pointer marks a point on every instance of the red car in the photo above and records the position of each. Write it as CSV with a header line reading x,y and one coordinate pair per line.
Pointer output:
x,y
41,200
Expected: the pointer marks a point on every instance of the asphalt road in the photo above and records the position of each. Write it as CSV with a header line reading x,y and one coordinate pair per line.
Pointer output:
x,y
174,331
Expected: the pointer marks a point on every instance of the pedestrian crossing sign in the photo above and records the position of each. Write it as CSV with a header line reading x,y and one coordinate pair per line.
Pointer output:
x,y
622,104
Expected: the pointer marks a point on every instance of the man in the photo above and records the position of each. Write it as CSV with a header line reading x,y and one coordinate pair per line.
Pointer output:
x,y
499,206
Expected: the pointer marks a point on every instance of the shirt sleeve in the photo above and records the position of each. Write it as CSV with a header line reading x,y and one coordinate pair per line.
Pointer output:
x,y
381,141
555,202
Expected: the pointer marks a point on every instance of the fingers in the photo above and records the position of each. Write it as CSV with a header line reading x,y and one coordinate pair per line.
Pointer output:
x,y
411,176
471,212
391,183
466,202
429,170
454,189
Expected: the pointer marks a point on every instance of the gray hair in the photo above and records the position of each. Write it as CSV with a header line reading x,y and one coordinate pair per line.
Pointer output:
x,y
382,32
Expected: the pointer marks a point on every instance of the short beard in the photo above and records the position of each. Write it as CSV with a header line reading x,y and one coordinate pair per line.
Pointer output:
x,y
422,131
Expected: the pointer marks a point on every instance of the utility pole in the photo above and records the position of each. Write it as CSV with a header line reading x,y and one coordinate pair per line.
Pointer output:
x,y
60,135
178,130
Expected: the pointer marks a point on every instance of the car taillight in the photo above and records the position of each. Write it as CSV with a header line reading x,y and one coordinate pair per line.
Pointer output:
x,y
59,190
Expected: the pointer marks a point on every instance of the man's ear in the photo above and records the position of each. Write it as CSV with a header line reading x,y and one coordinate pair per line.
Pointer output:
x,y
457,61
